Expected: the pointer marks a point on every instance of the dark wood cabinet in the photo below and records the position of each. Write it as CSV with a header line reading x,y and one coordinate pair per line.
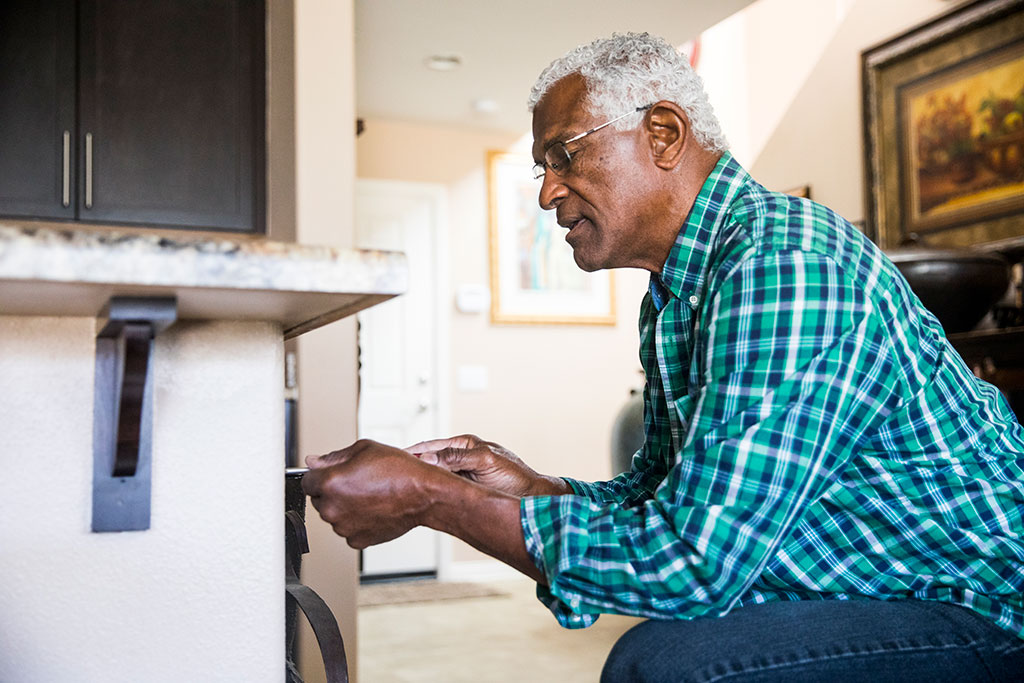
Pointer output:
x,y
37,108
996,356
170,118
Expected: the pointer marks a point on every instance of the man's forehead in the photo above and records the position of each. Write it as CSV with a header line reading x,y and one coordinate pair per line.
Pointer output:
x,y
557,114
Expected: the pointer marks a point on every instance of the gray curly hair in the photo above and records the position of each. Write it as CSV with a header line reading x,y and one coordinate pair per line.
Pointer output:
x,y
633,70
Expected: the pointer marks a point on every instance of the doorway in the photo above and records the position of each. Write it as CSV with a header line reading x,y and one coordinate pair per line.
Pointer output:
x,y
403,348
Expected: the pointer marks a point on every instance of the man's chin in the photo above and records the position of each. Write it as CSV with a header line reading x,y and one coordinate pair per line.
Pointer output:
x,y
584,264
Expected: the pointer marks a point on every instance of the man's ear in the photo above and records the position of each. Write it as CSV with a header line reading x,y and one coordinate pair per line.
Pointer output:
x,y
667,126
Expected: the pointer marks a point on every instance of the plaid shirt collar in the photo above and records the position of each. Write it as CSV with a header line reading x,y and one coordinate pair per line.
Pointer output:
x,y
686,267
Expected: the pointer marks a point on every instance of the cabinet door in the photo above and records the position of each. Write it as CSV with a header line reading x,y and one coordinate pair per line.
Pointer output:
x,y
37,108
171,113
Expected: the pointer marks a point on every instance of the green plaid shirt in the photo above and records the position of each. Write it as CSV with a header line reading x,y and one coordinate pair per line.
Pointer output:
x,y
810,434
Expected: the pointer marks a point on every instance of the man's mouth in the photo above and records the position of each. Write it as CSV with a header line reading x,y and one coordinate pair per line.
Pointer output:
x,y
573,224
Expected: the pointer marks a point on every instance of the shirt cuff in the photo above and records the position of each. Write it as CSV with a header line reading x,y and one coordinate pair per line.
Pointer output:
x,y
530,509
582,488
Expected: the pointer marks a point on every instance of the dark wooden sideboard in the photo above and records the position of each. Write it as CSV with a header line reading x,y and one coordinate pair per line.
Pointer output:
x,y
996,356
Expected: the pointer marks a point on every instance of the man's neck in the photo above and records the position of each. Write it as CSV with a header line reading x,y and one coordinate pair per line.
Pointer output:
x,y
680,195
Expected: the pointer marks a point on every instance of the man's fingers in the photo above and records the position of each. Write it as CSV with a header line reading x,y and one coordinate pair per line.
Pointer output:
x,y
429,457
315,462
434,445
311,481
458,460
335,457
319,482
451,458
424,446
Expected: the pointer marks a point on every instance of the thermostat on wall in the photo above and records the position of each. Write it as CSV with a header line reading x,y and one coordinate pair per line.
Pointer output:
x,y
472,298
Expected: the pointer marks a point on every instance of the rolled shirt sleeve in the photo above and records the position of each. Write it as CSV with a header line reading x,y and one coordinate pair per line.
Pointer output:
x,y
795,368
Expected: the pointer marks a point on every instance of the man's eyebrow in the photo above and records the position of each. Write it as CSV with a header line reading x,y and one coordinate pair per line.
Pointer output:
x,y
543,148
558,136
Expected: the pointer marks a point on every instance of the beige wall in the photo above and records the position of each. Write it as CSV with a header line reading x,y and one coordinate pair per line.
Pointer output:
x,y
281,120
815,136
820,136
784,77
324,181
553,390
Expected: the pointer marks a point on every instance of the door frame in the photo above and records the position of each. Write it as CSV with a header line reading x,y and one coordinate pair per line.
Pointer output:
x,y
437,195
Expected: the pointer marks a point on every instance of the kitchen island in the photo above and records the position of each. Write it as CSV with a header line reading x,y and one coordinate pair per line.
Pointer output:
x,y
198,594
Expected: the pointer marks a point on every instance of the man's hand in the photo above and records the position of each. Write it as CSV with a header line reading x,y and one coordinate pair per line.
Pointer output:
x,y
489,464
370,493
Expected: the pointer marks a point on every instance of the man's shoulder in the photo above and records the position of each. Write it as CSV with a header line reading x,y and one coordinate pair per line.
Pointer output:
x,y
776,218
761,222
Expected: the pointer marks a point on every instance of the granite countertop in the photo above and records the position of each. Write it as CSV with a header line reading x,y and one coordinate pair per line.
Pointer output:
x,y
74,271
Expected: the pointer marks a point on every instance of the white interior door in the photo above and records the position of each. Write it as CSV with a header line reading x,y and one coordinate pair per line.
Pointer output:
x,y
398,346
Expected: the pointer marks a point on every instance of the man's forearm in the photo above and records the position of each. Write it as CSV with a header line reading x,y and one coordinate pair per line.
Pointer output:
x,y
486,519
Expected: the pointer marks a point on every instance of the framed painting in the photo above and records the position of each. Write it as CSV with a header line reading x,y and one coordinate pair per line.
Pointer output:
x,y
534,278
944,130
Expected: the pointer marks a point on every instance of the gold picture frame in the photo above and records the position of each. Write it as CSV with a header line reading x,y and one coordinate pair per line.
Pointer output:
x,y
534,279
944,130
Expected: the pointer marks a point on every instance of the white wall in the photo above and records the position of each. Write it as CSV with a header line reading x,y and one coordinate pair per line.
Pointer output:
x,y
796,98
198,595
755,61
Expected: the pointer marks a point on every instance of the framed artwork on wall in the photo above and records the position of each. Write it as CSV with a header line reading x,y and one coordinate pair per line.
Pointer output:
x,y
803,191
944,130
534,278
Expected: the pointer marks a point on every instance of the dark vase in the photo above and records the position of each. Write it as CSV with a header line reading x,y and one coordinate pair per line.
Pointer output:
x,y
627,432
958,286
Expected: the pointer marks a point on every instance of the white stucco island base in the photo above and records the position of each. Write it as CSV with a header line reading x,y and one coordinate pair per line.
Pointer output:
x,y
199,596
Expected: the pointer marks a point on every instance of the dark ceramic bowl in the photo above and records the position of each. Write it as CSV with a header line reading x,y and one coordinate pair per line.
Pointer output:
x,y
959,287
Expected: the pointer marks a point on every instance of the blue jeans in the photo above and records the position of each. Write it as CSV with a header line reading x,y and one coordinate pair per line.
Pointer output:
x,y
829,641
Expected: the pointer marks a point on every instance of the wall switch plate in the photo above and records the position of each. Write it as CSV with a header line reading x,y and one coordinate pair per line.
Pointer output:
x,y
472,298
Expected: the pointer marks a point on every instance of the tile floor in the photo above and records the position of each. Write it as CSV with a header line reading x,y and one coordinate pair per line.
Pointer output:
x,y
511,637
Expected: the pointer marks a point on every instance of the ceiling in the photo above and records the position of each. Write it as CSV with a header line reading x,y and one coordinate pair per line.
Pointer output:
x,y
503,47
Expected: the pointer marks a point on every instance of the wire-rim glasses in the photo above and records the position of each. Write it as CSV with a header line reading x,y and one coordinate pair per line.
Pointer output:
x,y
557,156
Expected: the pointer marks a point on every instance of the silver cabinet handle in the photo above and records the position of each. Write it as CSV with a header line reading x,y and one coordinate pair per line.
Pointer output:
x,y
66,177
88,170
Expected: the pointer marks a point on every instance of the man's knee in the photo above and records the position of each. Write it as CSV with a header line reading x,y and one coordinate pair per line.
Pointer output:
x,y
639,655
621,664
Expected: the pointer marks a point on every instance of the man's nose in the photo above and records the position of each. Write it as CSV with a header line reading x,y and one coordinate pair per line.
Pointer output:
x,y
552,191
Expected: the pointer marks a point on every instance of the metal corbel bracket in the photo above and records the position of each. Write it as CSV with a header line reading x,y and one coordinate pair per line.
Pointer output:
x,y
122,437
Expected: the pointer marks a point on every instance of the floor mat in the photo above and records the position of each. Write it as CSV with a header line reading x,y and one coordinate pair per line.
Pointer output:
x,y
398,592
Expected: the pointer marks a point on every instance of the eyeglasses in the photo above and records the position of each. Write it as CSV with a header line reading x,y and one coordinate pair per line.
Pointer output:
x,y
557,157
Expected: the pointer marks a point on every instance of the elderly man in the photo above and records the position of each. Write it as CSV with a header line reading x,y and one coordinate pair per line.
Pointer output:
x,y
825,490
